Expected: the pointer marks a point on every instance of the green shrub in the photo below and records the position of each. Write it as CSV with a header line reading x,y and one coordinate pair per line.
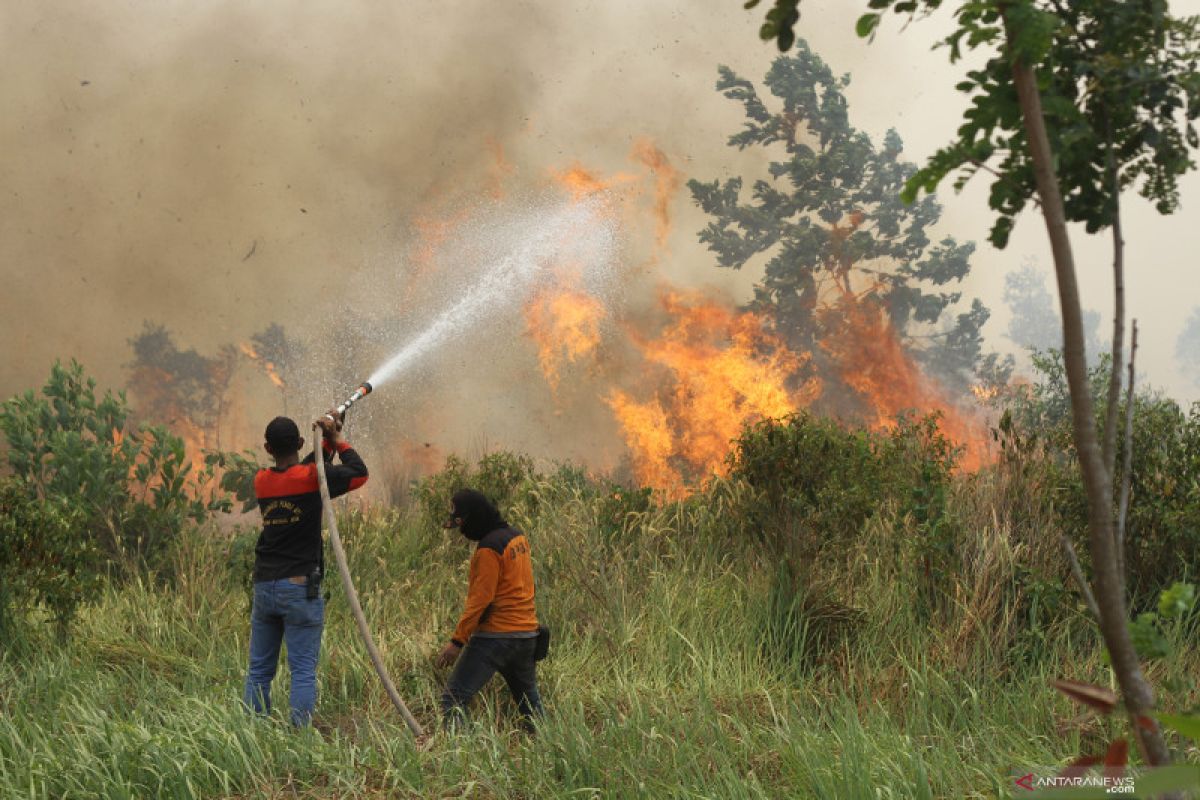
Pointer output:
x,y
44,561
803,623
817,482
500,476
1162,540
1163,527
130,492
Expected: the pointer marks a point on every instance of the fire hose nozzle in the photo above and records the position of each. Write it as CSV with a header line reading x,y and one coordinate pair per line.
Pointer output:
x,y
359,393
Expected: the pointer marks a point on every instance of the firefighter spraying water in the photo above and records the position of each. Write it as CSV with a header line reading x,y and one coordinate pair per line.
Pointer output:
x,y
526,250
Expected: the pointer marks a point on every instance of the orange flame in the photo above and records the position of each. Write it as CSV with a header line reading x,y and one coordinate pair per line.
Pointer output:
x,y
709,369
718,370
651,439
874,363
985,393
268,366
565,325
667,181
582,183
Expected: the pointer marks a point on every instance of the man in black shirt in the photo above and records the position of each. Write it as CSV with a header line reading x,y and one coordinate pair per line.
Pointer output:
x,y
288,561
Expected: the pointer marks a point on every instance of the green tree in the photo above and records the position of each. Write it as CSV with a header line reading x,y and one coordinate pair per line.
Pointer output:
x,y
1076,102
132,490
831,224
46,560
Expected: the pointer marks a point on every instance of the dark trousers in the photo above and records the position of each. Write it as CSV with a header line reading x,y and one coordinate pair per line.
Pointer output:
x,y
478,662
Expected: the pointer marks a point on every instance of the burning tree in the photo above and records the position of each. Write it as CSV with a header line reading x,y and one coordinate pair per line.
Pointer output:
x,y
834,229
278,354
180,388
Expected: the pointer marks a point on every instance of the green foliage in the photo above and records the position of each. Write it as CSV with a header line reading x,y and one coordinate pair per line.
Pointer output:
x,y
805,625
1163,525
500,476
663,682
237,471
1153,631
239,561
132,491
831,217
936,544
44,561
1119,90
1188,726
780,21
816,482
1177,601
1148,640
616,504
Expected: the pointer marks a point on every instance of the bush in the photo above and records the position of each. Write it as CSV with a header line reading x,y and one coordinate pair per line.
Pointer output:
x,y
128,493
44,562
500,476
1163,524
817,482
803,623
1163,528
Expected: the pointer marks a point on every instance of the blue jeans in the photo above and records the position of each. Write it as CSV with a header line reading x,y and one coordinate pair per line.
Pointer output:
x,y
283,613
479,661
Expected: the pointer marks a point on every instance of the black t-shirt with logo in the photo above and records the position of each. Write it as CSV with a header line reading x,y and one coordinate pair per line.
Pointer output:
x,y
290,502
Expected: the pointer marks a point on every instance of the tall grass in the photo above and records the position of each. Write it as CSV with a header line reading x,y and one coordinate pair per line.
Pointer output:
x,y
686,664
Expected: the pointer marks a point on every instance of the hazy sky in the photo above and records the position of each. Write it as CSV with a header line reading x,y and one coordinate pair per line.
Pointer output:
x,y
147,147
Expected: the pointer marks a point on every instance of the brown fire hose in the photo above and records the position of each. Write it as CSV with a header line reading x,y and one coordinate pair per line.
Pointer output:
x,y
339,555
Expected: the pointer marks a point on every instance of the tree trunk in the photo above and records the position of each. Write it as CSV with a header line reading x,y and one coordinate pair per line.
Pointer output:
x,y
1097,481
1118,340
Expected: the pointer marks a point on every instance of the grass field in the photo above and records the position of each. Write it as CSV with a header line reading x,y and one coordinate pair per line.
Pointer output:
x,y
683,666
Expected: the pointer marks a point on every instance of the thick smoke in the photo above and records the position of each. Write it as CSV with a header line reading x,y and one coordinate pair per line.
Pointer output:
x,y
218,167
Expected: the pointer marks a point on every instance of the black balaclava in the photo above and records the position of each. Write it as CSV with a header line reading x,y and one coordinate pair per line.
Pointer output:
x,y
479,516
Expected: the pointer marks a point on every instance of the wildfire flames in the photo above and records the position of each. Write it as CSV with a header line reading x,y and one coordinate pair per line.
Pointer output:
x,y
716,370
873,362
564,323
159,402
268,367
711,369
682,378
667,180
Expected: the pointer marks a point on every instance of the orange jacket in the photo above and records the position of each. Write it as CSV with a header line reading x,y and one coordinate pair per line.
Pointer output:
x,y
500,587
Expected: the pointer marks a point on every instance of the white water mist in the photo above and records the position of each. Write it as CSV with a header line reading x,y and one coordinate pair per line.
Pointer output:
x,y
527,247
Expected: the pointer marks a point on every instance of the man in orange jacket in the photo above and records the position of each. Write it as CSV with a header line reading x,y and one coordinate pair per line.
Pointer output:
x,y
498,629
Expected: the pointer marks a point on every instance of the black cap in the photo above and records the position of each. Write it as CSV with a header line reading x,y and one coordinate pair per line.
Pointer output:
x,y
283,436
